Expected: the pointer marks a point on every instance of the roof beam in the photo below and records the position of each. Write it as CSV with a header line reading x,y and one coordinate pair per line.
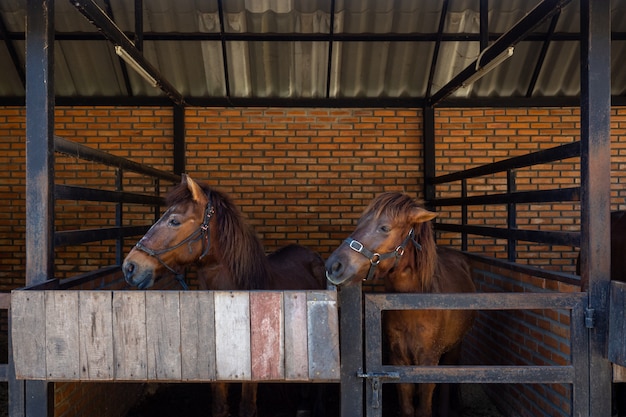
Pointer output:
x,y
542,55
113,33
12,52
521,29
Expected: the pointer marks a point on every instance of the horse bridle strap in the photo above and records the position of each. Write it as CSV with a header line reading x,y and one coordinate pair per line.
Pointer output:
x,y
375,258
201,232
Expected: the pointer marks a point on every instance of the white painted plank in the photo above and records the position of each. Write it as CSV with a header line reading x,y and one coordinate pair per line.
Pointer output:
x,y
28,334
62,351
197,335
129,335
163,335
232,336
95,333
296,337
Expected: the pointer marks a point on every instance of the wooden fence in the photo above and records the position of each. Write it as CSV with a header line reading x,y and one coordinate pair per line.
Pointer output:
x,y
175,335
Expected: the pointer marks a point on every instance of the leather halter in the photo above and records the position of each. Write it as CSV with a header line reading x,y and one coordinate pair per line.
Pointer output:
x,y
375,258
201,233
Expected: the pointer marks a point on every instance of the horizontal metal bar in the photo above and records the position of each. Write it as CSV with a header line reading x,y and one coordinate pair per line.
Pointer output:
x,y
78,237
481,374
567,278
87,153
569,150
77,280
538,236
474,301
71,192
541,196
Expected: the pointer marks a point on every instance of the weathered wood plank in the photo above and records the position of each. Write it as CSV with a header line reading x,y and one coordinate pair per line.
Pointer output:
x,y
323,336
296,337
163,335
62,350
28,334
129,335
267,336
95,333
197,335
232,336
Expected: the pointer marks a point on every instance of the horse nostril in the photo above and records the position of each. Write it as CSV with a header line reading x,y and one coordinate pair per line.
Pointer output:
x,y
128,269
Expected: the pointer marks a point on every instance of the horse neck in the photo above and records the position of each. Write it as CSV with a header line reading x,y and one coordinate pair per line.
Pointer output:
x,y
415,270
241,253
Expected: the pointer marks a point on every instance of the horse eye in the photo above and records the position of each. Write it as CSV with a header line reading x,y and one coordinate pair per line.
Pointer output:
x,y
173,221
385,228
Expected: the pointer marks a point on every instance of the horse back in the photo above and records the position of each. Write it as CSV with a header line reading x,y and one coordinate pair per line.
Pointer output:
x,y
295,267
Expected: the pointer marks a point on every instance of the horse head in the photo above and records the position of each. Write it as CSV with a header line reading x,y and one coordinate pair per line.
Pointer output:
x,y
391,225
180,237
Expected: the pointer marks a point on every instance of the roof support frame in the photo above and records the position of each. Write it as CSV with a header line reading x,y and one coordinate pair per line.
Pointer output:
x,y
520,30
12,52
113,33
542,54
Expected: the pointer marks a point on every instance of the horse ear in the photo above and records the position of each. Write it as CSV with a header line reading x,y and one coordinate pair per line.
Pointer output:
x,y
196,191
421,215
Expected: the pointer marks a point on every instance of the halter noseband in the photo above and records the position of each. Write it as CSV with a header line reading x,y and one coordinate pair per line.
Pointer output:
x,y
375,258
201,233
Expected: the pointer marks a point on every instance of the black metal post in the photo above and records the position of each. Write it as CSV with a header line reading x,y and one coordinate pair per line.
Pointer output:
x,y
595,109
179,140
39,167
351,345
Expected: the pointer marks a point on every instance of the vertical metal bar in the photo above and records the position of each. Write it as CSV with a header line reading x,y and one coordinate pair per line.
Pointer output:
x,y
39,141
580,360
464,213
595,191
484,24
511,215
329,64
351,345
373,357
433,64
139,25
429,156
39,167
179,139
119,218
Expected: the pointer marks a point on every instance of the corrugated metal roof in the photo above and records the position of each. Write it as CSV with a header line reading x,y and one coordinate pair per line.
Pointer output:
x,y
290,66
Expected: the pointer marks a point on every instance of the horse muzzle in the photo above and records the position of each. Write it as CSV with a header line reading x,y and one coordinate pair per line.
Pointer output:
x,y
137,277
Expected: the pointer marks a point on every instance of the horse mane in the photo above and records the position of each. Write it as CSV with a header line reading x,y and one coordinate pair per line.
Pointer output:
x,y
240,249
423,262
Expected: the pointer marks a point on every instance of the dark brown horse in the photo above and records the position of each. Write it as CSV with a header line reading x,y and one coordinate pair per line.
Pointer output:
x,y
394,241
202,227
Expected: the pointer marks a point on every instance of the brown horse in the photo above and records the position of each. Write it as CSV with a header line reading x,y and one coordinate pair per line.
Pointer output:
x,y
394,241
204,228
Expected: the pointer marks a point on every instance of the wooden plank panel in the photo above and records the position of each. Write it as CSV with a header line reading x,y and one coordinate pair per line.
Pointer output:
x,y
617,324
323,335
62,351
129,335
232,336
267,336
28,334
163,335
197,334
95,332
296,338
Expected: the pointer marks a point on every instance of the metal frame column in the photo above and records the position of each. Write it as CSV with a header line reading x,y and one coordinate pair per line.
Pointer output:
x,y
39,168
595,109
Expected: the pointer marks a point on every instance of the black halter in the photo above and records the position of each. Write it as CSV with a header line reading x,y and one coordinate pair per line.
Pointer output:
x,y
375,257
202,233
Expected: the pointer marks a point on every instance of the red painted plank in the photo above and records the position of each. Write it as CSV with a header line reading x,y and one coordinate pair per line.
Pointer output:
x,y
267,335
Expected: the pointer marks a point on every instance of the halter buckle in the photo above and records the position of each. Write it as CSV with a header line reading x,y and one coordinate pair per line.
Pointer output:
x,y
355,248
375,259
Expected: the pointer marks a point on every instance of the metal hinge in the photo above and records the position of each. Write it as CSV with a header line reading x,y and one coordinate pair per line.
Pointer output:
x,y
374,379
590,320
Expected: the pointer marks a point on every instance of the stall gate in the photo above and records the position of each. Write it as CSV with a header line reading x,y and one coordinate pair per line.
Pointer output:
x,y
207,336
